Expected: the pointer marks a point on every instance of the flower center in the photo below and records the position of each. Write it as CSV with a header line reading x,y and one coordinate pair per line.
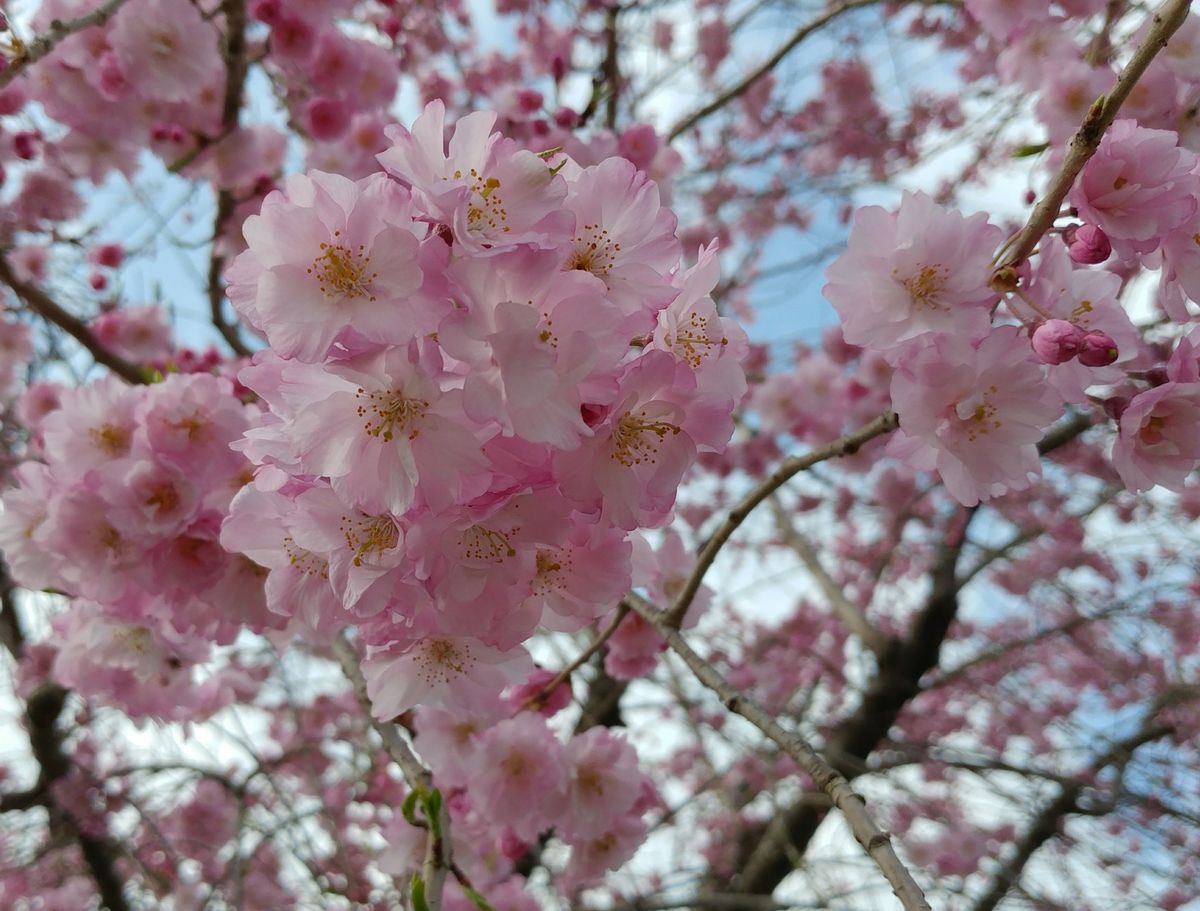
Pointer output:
x,y
342,272
637,439
479,543
977,415
691,343
438,660
164,498
388,413
111,439
305,561
594,252
925,287
368,535
486,213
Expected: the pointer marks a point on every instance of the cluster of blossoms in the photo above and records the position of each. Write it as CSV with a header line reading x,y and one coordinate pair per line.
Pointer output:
x,y
975,384
123,511
487,370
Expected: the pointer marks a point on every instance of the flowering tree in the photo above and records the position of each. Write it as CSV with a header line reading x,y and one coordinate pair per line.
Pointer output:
x,y
435,535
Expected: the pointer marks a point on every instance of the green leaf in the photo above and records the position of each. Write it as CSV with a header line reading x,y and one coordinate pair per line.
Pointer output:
x,y
1028,151
476,899
409,808
417,893
432,803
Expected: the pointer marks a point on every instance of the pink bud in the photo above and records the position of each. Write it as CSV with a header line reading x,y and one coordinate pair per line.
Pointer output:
x,y
1030,197
639,144
327,118
25,145
1056,341
1098,349
266,10
1087,244
108,255
558,67
529,100
566,118
98,281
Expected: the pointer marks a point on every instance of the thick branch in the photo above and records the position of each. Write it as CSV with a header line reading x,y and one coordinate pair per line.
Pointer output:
x,y
1044,826
1166,20
740,88
874,841
847,445
42,304
35,50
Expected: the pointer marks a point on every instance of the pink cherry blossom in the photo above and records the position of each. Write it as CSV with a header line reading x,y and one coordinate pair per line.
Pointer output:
x,y
1139,185
922,269
976,416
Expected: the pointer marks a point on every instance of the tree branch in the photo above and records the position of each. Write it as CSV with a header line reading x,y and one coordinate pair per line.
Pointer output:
x,y
35,50
1166,20
740,88
42,304
874,841
438,860
236,67
789,468
853,618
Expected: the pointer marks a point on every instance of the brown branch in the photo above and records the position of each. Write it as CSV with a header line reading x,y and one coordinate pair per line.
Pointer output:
x,y
33,51
901,665
1044,826
874,841
740,88
538,698
1166,20
849,613
438,860
236,68
789,468
42,304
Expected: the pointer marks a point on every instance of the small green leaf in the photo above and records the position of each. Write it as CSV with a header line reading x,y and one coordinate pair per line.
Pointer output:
x,y
409,808
418,894
433,810
1028,151
476,899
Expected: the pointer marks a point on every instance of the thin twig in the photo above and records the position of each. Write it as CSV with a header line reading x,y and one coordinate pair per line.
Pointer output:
x,y
438,859
42,304
740,88
29,53
875,842
844,446
562,676
849,613
1166,20
236,67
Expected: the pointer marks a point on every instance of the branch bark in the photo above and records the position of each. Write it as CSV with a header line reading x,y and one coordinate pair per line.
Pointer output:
x,y
788,469
42,304
41,46
1165,22
438,861
740,88
874,841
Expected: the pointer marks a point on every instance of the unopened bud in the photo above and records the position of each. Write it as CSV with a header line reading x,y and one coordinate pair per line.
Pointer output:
x,y
1098,349
1087,244
1056,341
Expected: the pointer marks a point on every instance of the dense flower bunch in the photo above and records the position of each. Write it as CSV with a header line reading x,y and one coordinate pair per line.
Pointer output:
x,y
486,370
123,512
